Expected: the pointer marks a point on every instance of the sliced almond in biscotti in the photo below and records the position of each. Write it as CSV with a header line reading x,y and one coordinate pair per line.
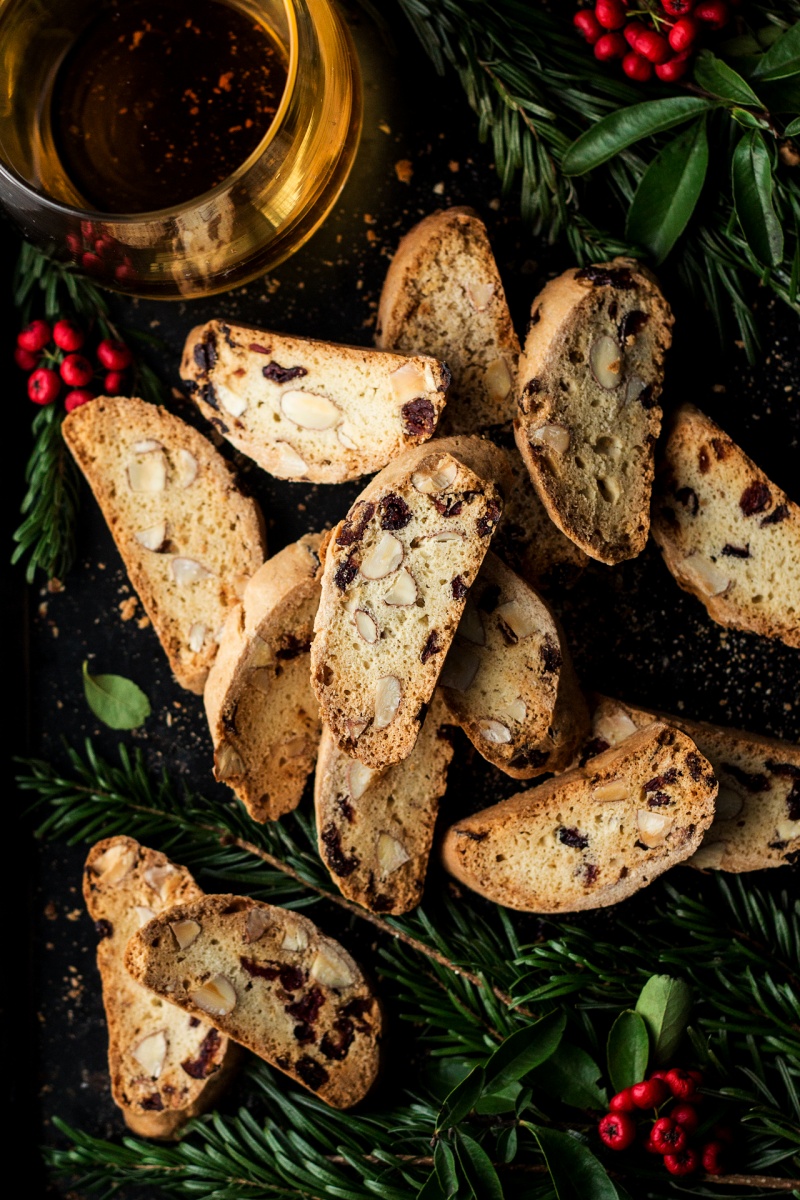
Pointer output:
x,y
261,710
588,385
396,574
757,811
593,835
508,679
188,538
728,534
443,295
305,409
165,1067
375,828
269,979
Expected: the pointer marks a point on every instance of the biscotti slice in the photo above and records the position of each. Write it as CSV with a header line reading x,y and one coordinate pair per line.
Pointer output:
x,y
396,574
304,409
187,536
757,810
728,534
595,834
443,295
375,828
262,712
508,679
270,980
165,1067
588,385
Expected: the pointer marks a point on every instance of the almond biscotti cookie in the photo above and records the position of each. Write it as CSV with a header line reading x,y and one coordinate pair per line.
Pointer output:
x,y
588,386
305,409
594,835
188,537
728,534
165,1067
269,979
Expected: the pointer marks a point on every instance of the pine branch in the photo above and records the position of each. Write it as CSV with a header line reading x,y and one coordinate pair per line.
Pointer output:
x,y
50,505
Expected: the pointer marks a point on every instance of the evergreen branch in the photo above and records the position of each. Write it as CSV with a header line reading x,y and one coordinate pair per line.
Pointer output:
x,y
49,508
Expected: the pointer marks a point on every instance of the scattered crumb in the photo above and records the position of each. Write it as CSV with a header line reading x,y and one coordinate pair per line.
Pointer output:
x,y
143,622
50,911
404,170
74,914
438,189
384,128
495,203
55,585
127,608
454,166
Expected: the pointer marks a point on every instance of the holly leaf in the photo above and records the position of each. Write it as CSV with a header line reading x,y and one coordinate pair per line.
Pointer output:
x,y
782,58
462,1099
575,1172
523,1051
752,197
115,701
572,1076
628,125
664,1005
668,192
715,76
478,1169
627,1050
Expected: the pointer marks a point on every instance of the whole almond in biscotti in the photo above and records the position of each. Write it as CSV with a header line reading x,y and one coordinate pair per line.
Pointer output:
x,y
270,980
396,575
443,295
757,810
588,385
188,537
595,834
312,410
728,534
508,679
165,1067
262,713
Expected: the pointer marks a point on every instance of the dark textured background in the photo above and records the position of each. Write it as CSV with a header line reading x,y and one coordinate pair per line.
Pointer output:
x,y
632,631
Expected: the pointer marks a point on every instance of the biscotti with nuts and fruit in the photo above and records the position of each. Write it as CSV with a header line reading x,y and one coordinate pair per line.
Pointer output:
x,y
594,835
188,537
311,410
443,296
269,979
375,828
165,1067
588,385
261,710
396,574
728,534
757,810
508,679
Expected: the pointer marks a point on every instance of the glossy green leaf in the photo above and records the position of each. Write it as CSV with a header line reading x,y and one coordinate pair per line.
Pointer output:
x,y
575,1172
664,1005
715,76
749,120
782,58
752,196
783,96
524,1050
115,701
573,1077
478,1169
628,1050
668,193
504,1100
507,1144
462,1099
793,128
444,1164
431,1188
628,125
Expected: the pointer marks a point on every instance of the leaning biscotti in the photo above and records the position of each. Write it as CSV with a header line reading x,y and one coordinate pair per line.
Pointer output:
x,y
262,713
757,809
311,410
508,679
187,536
396,574
595,834
443,296
588,387
269,979
165,1067
728,534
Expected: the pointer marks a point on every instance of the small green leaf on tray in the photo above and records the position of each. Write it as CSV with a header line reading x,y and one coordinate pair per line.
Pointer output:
x,y
115,701
478,1169
752,194
664,1004
575,1172
628,1050
782,58
628,125
573,1077
716,77
669,191
793,127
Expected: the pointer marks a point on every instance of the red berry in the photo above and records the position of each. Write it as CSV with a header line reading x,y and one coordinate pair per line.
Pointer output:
x,y
696,1075
125,273
77,397
622,1102
683,34
686,1116
715,13
74,243
651,1147
682,1085
610,45
87,229
711,1154
43,386
683,1163
34,337
67,336
76,371
673,69
114,355
617,1130
650,1093
677,8
106,247
636,67
113,383
667,1137
657,1075
92,263
633,31
611,14
24,359
587,23
653,46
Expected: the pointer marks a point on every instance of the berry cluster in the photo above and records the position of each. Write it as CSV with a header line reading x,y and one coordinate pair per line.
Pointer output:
x,y
97,253
671,1133
48,369
660,36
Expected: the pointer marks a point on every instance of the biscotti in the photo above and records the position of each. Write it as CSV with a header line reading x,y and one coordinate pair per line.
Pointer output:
x,y
396,574
165,1067
593,835
187,536
728,534
589,381
262,713
757,810
375,828
305,409
508,679
443,295
270,980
